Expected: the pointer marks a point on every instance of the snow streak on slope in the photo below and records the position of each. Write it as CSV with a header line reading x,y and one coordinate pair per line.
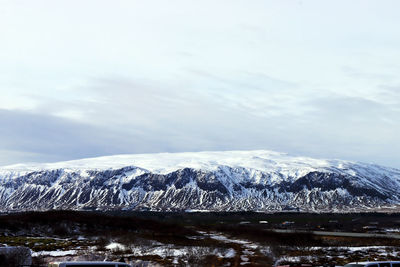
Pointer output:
x,y
230,180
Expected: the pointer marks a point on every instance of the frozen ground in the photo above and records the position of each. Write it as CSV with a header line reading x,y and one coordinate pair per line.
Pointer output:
x,y
239,251
197,240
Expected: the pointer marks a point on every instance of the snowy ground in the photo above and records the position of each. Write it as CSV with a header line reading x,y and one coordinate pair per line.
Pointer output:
x,y
227,249
233,250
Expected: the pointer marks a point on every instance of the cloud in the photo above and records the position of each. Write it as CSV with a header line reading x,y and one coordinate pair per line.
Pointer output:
x,y
128,116
390,94
52,138
8,157
210,76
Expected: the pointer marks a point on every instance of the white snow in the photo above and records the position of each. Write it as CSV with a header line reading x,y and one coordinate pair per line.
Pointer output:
x,y
55,253
279,166
231,253
233,169
168,162
115,246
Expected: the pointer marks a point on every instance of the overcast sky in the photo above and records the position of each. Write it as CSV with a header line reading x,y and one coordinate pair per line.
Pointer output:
x,y
91,78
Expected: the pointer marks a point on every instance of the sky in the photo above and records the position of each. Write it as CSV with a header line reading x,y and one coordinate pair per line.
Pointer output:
x,y
91,78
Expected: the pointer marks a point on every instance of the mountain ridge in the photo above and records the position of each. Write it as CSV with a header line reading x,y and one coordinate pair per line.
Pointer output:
x,y
216,181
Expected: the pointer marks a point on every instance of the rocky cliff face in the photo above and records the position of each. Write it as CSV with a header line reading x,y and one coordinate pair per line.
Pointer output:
x,y
218,181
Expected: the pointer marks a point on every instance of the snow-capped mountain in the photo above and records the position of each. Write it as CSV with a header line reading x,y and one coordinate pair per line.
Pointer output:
x,y
219,181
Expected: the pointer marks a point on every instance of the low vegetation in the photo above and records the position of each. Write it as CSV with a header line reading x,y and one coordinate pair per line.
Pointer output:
x,y
200,239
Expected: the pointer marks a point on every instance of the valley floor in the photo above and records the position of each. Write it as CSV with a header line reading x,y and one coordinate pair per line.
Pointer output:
x,y
204,239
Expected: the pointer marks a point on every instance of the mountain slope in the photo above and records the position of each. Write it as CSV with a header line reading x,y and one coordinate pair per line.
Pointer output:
x,y
224,181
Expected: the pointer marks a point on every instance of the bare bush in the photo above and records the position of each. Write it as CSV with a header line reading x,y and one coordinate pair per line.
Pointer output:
x,y
15,256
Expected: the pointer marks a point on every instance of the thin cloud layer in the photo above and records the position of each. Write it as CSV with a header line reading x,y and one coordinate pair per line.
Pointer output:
x,y
99,78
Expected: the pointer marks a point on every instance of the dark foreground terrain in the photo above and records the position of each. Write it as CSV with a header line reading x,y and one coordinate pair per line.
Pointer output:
x,y
204,239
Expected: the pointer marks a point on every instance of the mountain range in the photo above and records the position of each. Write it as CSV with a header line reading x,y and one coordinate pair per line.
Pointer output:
x,y
201,181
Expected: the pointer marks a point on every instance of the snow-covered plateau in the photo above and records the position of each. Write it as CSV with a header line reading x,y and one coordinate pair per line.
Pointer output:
x,y
215,181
